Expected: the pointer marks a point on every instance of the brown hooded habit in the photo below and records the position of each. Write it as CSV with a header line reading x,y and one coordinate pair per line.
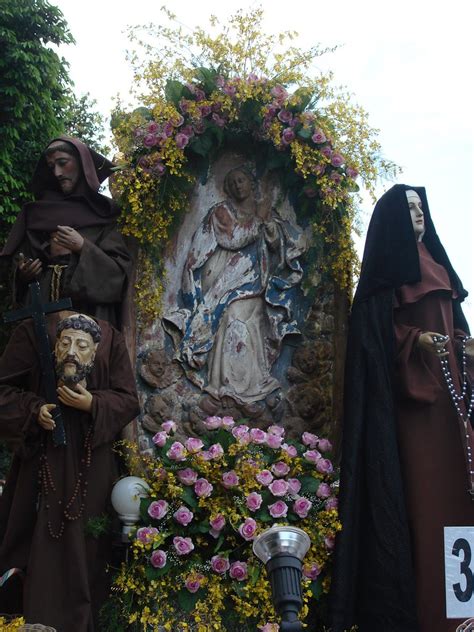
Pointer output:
x,y
53,493
94,278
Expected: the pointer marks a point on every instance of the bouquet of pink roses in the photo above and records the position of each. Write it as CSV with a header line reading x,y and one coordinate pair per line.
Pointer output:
x,y
191,561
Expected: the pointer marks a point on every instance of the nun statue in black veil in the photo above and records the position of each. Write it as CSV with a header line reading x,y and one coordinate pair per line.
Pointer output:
x,y
406,454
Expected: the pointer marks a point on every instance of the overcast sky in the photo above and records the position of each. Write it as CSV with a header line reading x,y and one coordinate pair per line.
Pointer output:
x,y
409,64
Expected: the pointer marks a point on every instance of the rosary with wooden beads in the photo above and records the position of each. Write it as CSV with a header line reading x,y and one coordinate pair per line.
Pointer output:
x,y
47,486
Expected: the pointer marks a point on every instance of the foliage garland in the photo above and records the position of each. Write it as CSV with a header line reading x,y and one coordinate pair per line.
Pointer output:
x,y
234,90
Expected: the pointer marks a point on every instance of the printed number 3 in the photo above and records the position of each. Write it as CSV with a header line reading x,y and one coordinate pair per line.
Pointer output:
x,y
464,595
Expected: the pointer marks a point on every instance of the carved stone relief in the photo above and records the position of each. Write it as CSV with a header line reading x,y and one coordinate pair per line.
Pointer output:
x,y
238,335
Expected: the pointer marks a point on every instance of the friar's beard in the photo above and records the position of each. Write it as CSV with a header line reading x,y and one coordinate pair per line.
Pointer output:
x,y
82,371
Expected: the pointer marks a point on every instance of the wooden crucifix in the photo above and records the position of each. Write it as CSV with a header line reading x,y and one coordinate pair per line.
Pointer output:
x,y
37,310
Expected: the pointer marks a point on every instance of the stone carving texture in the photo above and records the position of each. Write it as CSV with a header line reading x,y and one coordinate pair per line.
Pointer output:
x,y
238,335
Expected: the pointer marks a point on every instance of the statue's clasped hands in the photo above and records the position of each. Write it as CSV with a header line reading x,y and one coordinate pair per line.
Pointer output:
x,y
80,399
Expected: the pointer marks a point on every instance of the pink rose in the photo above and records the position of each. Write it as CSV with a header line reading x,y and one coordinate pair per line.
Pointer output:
x,y
254,501
258,436
177,452
205,110
184,105
158,509
193,444
324,491
188,130
193,582
312,455
287,136
169,426
216,451
329,542
324,445
219,564
230,90
218,120
218,522
280,468
158,558
238,571
212,423
326,151
239,430
278,487
150,140
177,120
146,534
181,140
199,94
331,503
187,476
269,627
318,137
285,116
152,127
311,571
265,477
230,479
289,449
241,433
228,422
279,431
294,486
159,168
337,160
183,516
278,509
182,546
324,466
310,439
274,441
160,439
279,93
352,173
336,177
248,528
203,488
301,507
168,129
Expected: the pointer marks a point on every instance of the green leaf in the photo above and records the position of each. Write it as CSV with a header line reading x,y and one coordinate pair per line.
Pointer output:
x,y
188,600
304,132
263,516
173,91
189,497
316,588
202,144
153,573
309,484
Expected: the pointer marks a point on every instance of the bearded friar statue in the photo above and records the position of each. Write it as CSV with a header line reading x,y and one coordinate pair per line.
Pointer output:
x,y
54,493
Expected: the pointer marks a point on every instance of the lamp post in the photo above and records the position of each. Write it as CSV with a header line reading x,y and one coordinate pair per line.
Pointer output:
x,y
282,550
126,496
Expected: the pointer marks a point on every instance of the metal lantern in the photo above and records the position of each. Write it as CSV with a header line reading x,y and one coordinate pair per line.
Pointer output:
x,y
282,550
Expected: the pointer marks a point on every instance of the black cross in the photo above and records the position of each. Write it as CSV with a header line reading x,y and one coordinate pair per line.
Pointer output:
x,y
37,311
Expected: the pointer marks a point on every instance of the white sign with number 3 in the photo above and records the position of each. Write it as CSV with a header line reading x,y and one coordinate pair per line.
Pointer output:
x,y
459,571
